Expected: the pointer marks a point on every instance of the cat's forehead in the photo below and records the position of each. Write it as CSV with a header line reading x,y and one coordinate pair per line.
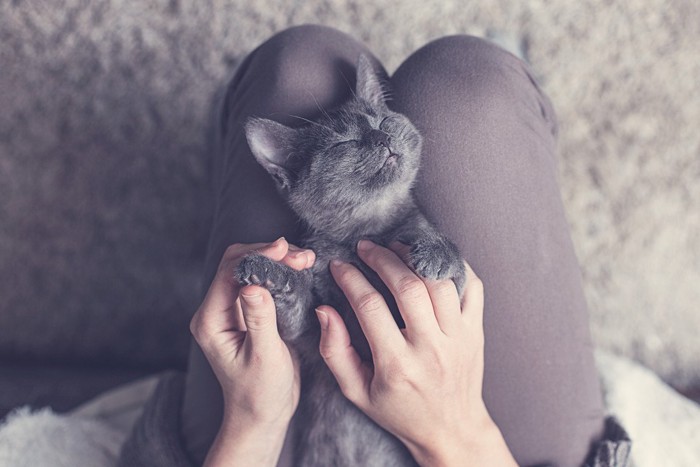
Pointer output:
x,y
352,118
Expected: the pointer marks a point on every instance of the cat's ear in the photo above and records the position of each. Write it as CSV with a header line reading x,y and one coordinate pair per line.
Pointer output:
x,y
369,86
271,144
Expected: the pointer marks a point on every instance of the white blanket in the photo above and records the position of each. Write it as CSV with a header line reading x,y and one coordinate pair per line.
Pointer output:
x,y
664,426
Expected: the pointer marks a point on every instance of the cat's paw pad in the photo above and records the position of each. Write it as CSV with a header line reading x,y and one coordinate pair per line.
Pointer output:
x,y
438,260
256,269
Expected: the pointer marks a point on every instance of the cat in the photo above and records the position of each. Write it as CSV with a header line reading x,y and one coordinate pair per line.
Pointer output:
x,y
348,176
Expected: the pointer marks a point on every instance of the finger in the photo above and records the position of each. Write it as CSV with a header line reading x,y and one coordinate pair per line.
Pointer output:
x,y
284,252
372,312
446,304
276,250
237,316
443,295
260,317
238,250
407,288
212,326
221,310
473,299
299,258
224,284
352,374
224,289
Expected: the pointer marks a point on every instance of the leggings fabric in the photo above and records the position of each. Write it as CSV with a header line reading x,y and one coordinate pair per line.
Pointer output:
x,y
488,179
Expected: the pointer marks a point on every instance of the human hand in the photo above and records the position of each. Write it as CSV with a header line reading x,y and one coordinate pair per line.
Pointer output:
x,y
236,328
426,380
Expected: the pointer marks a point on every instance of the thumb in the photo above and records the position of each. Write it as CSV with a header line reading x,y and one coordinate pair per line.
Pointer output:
x,y
259,315
352,374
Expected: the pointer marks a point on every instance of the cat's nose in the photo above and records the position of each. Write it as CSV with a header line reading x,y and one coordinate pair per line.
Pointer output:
x,y
379,138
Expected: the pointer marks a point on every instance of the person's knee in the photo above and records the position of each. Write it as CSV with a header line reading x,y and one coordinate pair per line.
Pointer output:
x,y
309,60
464,75
460,65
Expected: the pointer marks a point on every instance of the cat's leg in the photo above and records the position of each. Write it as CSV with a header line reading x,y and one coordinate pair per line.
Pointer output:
x,y
290,289
432,254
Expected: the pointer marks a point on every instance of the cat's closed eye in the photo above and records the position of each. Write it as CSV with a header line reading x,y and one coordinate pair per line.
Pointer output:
x,y
385,121
342,142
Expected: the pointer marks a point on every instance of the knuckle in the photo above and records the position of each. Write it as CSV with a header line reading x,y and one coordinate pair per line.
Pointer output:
x,y
256,358
477,285
346,275
370,302
350,391
438,360
198,330
437,363
410,287
198,325
375,255
195,326
232,250
444,288
256,321
326,351
394,374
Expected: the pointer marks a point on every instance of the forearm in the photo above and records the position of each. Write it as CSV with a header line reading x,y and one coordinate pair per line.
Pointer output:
x,y
246,445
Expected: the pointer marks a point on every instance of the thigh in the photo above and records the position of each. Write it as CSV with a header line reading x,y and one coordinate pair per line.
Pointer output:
x,y
293,75
488,179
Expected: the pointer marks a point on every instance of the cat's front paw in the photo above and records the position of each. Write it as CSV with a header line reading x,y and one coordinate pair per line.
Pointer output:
x,y
256,269
438,259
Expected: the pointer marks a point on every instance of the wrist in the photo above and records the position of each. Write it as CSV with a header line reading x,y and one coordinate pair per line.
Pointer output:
x,y
244,443
243,416
483,444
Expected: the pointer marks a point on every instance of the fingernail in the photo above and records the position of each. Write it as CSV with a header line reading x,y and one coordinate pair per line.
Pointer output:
x,y
278,241
336,262
302,254
365,245
253,299
322,318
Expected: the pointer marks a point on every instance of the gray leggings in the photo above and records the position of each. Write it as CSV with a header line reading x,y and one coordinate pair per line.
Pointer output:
x,y
488,179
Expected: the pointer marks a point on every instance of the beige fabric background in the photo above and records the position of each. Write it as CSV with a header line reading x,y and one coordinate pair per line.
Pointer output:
x,y
104,117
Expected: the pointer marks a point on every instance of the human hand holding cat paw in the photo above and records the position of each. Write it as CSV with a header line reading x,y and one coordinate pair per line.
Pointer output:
x,y
426,380
236,328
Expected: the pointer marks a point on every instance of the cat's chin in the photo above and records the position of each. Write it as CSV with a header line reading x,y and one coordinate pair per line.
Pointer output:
x,y
392,171
391,161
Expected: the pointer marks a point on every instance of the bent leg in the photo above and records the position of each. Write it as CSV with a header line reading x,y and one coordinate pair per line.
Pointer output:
x,y
488,179
294,73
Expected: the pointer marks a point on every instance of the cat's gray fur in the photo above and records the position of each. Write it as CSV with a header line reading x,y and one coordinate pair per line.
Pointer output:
x,y
337,176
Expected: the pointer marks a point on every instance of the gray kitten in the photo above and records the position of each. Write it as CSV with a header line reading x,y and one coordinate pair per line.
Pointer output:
x,y
348,176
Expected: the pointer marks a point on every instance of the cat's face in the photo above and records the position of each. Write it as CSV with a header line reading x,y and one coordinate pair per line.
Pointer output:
x,y
353,156
367,147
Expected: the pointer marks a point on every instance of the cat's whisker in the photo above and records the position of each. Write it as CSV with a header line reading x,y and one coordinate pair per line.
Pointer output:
x,y
386,92
312,122
323,112
348,82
